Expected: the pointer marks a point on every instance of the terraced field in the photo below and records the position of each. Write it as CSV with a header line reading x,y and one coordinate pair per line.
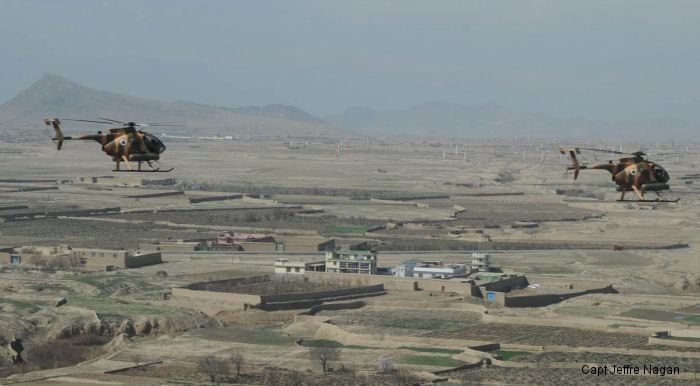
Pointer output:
x,y
467,326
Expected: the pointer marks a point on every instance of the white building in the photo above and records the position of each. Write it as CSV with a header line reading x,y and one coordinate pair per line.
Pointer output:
x,y
436,269
284,266
405,269
481,261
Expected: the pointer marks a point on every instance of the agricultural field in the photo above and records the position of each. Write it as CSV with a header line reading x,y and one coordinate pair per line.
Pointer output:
x,y
467,326
399,197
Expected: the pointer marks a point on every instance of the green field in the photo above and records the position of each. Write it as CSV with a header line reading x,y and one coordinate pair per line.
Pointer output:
x,y
30,307
332,343
682,338
427,360
51,288
433,349
105,281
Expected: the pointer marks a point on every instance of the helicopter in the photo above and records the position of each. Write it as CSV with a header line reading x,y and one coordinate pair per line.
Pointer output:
x,y
124,144
629,173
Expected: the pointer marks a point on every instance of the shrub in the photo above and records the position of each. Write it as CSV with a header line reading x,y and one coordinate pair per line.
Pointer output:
x,y
385,365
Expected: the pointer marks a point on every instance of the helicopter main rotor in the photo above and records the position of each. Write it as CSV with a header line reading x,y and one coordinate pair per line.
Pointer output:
x,y
127,125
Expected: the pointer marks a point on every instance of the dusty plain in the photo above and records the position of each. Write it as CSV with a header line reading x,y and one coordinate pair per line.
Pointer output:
x,y
420,199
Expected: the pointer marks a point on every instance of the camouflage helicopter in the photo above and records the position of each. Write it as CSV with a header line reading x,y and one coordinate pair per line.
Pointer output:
x,y
629,173
125,143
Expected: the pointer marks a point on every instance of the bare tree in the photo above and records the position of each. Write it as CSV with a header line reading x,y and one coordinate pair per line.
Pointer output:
x,y
213,367
295,378
137,358
37,260
237,360
324,353
56,263
384,365
405,377
73,261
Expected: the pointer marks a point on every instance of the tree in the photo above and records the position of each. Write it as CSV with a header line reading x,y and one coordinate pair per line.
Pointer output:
x,y
405,377
37,260
55,264
385,365
137,358
324,353
73,261
237,360
213,367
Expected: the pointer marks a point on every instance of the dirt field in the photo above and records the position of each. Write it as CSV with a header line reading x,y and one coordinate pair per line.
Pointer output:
x,y
398,196
466,326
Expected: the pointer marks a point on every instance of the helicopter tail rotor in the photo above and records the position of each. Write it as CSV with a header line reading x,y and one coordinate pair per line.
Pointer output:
x,y
59,134
575,167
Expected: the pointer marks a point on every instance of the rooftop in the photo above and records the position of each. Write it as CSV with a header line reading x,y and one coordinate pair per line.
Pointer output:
x,y
353,251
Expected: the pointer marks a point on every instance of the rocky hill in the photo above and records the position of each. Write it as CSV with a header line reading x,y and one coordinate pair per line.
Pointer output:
x,y
54,96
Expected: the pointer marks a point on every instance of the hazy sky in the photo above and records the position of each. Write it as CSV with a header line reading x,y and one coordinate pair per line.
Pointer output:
x,y
610,60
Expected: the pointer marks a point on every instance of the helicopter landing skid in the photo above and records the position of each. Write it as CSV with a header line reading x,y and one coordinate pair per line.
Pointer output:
x,y
676,200
143,171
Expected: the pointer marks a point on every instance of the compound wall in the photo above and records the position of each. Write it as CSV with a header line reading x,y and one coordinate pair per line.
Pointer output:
x,y
224,300
389,282
547,299
142,260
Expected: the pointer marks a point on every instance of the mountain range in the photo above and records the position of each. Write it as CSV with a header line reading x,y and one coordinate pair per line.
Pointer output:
x,y
54,96
449,120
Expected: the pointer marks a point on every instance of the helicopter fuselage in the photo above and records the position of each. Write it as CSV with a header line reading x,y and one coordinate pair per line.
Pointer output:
x,y
122,144
629,173
635,174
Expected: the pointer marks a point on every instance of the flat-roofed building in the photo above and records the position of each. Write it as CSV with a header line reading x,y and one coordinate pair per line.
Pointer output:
x,y
405,269
82,258
284,266
9,256
351,261
481,261
436,269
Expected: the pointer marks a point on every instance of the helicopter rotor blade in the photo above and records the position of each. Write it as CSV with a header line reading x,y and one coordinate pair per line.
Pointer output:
x,y
157,124
86,120
114,121
671,153
603,150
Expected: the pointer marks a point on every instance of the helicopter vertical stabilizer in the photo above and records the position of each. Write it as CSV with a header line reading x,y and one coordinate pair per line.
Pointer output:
x,y
59,135
575,166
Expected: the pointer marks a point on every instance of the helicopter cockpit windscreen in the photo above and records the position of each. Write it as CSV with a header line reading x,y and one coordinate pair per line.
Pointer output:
x,y
153,144
660,173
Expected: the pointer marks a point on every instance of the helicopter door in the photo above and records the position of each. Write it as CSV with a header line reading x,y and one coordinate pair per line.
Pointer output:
x,y
153,144
660,173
